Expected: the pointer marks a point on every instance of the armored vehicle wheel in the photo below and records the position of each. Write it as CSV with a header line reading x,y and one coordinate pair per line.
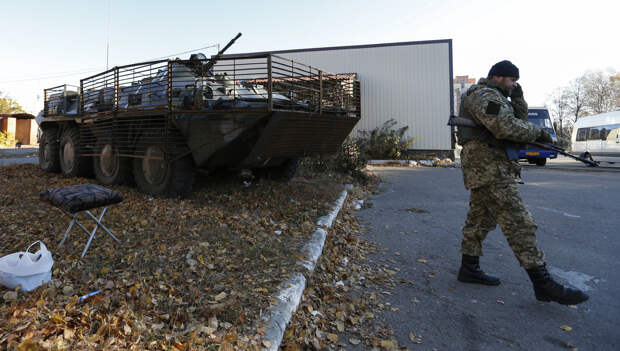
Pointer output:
x,y
284,172
110,168
71,164
48,151
157,176
541,162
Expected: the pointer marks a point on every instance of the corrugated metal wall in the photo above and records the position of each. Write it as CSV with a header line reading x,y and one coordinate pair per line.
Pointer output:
x,y
410,82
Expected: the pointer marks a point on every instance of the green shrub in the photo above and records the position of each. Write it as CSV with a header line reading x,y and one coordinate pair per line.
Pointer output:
x,y
317,163
7,139
380,143
384,142
348,159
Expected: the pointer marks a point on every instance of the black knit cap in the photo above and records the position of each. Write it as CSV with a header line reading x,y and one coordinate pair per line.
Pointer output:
x,y
504,69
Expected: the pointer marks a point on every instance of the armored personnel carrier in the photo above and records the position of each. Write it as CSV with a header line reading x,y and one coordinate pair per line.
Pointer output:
x,y
154,123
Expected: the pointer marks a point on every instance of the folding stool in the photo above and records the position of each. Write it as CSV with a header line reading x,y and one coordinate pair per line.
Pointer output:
x,y
72,200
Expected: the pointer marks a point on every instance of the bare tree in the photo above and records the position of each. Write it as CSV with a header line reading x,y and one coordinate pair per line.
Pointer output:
x,y
560,111
615,79
576,95
592,93
601,92
560,105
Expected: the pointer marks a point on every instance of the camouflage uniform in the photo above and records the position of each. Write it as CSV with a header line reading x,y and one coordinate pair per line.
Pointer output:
x,y
492,178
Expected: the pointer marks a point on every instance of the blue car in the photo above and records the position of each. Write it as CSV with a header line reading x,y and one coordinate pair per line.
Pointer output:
x,y
534,155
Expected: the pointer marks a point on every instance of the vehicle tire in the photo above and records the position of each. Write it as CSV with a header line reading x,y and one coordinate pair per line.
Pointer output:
x,y
109,167
284,172
49,160
71,164
541,162
162,177
531,161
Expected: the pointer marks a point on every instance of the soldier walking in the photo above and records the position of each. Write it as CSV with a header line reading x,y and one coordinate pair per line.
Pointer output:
x,y
492,179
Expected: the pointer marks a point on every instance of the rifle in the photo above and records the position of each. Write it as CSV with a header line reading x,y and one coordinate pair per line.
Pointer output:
x,y
561,151
511,148
465,122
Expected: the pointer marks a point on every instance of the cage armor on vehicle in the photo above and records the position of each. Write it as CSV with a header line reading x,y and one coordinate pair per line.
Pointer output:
x,y
154,123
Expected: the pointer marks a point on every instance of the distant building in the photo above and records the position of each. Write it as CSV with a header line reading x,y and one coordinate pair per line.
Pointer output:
x,y
21,126
461,84
410,82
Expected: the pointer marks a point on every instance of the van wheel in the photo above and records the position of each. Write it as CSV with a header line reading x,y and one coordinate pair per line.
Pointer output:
x,y
531,161
71,164
541,162
109,167
49,160
156,175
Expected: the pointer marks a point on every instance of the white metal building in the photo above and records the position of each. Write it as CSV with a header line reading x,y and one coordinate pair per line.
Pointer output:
x,y
410,82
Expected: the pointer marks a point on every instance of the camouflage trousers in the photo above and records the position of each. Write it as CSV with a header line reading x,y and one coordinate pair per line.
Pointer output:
x,y
501,204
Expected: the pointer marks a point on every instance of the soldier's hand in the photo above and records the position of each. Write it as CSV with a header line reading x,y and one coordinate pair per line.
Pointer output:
x,y
517,92
544,137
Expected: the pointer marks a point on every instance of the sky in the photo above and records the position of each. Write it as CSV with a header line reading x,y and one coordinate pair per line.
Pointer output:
x,y
48,43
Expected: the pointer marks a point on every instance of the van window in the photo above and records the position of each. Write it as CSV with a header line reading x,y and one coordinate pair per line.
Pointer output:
x,y
604,132
594,134
581,134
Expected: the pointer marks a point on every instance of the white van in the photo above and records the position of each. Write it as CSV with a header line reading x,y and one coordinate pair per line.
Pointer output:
x,y
597,137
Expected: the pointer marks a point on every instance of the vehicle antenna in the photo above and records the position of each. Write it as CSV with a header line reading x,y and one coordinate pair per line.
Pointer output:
x,y
107,49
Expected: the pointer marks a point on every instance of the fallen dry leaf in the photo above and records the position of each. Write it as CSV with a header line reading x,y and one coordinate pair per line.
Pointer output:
x,y
415,339
226,346
354,341
221,296
151,297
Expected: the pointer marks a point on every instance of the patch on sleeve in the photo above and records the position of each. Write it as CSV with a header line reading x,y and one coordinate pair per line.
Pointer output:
x,y
492,108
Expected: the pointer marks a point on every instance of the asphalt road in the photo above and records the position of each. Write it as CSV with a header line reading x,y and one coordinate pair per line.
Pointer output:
x,y
417,218
14,156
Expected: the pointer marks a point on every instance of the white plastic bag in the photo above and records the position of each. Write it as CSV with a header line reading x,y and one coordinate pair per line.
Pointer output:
x,y
26,269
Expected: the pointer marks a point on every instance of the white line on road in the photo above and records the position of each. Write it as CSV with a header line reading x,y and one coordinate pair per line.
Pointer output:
x,y
560,212
576,279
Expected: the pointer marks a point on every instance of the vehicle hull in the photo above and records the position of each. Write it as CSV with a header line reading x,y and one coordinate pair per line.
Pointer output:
x,y
257,139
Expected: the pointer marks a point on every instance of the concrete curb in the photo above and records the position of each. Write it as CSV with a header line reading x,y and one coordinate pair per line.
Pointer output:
x,y
412,163
291,290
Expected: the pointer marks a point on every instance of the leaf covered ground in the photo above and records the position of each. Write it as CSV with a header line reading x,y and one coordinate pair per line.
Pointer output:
x,y
342,305
192,274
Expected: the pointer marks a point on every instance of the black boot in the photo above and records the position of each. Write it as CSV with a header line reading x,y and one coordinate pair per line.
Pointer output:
x,y
546,289
470,272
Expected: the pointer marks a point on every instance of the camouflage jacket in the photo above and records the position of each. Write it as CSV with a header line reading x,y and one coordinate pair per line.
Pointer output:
x,y
484,164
